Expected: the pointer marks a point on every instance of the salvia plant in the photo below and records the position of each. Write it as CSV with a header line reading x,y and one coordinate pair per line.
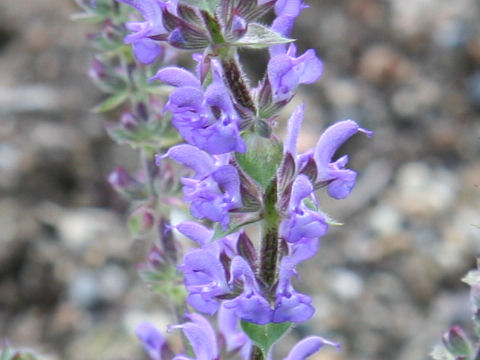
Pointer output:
x,y
208,149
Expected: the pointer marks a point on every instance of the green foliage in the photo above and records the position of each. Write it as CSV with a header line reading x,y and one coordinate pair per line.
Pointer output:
x,y
264,336
259,36
111,102
262,158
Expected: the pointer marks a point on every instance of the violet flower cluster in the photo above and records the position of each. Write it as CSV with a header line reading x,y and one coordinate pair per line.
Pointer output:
x,y
211,141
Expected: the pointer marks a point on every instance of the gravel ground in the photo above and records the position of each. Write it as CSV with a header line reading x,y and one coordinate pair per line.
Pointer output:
x,y
385,284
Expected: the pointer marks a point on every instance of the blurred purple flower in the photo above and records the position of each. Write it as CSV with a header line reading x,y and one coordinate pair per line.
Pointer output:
x,y
201,337
152,340
145,49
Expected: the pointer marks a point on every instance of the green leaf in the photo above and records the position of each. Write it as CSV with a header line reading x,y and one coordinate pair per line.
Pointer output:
x,y
111,102
259,36
264,336
472,278
262,158
440,353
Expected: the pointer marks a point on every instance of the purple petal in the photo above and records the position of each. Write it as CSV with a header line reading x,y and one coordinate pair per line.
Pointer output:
x,y
176,76
252,307
294,125
308,347
203,272
228,325
334,136
195,231
222,137
227,177
201,336
151,11
146,50
294,307
291,8
192,157
203,303
184,99
301,189
152,340
304,249
307,224
309,67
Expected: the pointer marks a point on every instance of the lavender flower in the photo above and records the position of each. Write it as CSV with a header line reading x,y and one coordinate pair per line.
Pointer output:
x,y
201,336
303,220
204,277
250,305
341,180
152,340
286,71
214,190
206,119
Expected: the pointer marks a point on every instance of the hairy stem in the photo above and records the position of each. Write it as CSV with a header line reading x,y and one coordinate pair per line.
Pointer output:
x,y
270,244
237,84
256,354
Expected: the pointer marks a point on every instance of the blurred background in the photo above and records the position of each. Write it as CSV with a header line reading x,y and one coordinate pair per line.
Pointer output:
x,y
386,284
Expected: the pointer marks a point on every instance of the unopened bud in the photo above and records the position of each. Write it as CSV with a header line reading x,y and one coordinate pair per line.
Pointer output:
x,y
129,122
456,341
141,221
125,184
239,26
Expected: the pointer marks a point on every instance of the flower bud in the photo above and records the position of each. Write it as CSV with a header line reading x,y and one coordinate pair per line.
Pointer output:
x,y
126,185
456,341
141,220
239,26
129,121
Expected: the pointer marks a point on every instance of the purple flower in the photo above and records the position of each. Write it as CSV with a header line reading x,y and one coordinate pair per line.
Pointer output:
x,y
308,347
250,305
341,180
201,336
144,48
286,11
290,305
302,221
152,340
214,190
205,118
286,71
204,277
